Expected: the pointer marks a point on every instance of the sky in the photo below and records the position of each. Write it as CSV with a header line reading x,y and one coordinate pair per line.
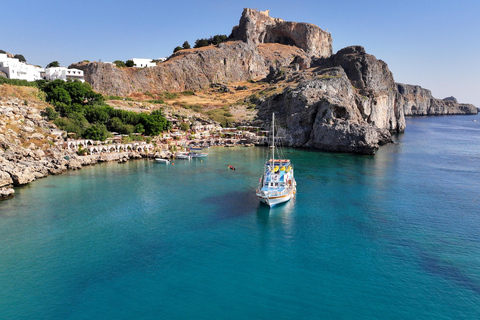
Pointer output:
x,y
434,44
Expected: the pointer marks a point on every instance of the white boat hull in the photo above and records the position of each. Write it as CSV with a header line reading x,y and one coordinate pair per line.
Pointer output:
x,y
274,200
199,155
159,160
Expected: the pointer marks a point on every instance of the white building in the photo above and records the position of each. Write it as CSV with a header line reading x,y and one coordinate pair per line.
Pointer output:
x,y
143,63
64,74
14,69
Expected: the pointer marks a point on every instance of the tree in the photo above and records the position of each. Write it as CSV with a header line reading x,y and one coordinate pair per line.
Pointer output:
x,y
201,43
184,126
139,128
50,113
96,132
177,49
53,64
3,51
186,45
20,57
119,63
59,95
217,39
129,63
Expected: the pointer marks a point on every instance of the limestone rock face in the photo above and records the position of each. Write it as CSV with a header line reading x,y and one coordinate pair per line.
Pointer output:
x,y
258,27
322,113
417,101
189,69
374,84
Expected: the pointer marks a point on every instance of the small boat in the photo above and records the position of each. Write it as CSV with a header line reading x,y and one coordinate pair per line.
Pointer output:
x,y
183,155
231,167
160,160
277,184
197,153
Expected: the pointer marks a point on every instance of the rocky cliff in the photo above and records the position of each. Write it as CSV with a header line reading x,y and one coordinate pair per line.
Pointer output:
x,y
344,103
418,101
190,69
245,57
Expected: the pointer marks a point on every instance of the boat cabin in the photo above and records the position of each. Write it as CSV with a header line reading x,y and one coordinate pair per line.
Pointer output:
x,y
278,172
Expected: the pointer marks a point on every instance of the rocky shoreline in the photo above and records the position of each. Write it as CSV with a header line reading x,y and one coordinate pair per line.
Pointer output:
x,y
32,148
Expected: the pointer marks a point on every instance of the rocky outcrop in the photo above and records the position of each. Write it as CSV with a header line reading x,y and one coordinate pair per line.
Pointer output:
x,y
374,84
190,69
249,57
346,103
258,27
324,113
417,101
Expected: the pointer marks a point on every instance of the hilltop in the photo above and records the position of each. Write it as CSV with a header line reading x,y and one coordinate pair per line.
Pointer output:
x,y
347,101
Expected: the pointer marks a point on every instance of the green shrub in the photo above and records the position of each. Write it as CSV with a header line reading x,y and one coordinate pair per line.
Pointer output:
x,y
187,93
53,64
170,95
156,101
119,63
16,82
195,107
20,57
221,116
96,132
184,126
50,113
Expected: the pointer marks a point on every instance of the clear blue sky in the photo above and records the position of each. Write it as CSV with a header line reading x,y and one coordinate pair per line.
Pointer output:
x,y
435,44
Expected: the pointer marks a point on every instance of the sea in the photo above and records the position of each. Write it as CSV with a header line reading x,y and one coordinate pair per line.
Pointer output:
x,y
390,236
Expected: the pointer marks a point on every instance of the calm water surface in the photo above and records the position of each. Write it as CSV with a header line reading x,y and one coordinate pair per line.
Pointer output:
x,y
394,236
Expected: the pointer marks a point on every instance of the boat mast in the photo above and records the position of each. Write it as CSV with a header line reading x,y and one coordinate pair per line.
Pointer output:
x,y
273,141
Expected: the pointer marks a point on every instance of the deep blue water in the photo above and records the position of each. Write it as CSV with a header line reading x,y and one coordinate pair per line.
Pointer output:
x,y
393,236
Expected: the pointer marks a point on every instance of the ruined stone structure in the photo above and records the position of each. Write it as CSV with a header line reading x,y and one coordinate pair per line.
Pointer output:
x,y
258,27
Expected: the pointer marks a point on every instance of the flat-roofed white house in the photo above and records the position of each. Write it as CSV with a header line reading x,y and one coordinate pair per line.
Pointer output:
x,y
64,74
143,63
14,69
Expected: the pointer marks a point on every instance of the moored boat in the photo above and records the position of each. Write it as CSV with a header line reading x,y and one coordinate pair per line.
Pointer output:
x,y
277,184
197,153
160,160
183,155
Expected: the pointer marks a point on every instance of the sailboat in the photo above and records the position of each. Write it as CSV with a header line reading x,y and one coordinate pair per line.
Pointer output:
x,y
277,184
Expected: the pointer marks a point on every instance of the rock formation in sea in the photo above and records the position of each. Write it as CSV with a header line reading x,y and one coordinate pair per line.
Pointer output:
x,y
343,103
418,101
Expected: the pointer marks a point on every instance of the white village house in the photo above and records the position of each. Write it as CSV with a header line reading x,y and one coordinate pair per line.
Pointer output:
x,y
64,74
14,69
143,63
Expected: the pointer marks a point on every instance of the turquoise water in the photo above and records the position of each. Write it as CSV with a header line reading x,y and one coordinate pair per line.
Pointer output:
x,y
394,236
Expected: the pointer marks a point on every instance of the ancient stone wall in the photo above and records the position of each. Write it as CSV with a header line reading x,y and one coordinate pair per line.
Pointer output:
x,y
258,27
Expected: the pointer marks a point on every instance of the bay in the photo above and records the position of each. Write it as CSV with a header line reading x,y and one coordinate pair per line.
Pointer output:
x,y
390,236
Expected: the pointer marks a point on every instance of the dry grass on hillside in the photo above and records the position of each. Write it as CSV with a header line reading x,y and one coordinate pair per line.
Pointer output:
x,y
237,104
29,94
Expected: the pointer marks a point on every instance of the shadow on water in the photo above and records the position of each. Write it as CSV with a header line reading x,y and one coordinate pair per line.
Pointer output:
x,y
233,204
433,265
